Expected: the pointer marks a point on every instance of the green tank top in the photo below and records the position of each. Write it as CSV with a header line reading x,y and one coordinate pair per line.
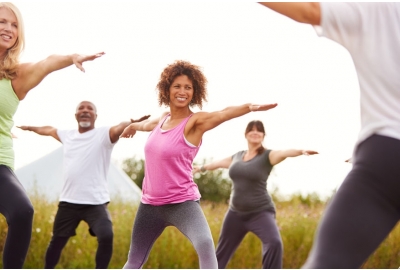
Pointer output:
x,y
8,106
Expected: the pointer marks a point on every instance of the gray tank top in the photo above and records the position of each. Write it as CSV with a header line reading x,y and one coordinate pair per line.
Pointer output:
x,y
249,190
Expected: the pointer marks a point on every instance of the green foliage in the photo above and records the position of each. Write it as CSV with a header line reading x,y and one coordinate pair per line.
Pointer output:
x,y
213,185
134,168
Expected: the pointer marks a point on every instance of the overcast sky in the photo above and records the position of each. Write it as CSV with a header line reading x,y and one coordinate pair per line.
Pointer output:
x,y
247,52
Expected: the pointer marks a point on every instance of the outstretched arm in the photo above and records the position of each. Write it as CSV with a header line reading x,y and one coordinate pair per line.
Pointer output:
x,y
45,131
223,164
277,156
31,74
301,12
146,125
206,121
203,121
117,130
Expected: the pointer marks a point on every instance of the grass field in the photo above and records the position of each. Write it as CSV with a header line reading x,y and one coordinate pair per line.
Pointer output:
x,y
297,220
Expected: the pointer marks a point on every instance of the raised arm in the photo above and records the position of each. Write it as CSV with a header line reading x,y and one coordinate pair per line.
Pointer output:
x,y
277,156
218,164
204,121
301,12
146,125
45,131
31,74
117,130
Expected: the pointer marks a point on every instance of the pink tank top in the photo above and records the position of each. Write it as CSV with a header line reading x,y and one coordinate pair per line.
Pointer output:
x,y
168,167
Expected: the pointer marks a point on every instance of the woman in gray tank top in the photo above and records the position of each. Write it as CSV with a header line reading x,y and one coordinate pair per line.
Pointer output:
x,y
251,208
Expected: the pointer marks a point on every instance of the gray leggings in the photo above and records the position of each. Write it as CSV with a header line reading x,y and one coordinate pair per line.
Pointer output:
x,y
262,224
187,217
364,210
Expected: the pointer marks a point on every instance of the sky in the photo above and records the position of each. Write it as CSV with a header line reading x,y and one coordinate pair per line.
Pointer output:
x,y
248,54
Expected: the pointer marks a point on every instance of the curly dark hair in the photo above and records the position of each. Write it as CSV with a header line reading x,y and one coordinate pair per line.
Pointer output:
x,y
179,68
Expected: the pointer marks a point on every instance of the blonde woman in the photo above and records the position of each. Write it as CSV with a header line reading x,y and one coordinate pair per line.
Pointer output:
x,y
16,80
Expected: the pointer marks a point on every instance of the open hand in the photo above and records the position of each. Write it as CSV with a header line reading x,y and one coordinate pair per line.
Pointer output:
x,y
196,169
140,119
78,59
128,132
309,152
262,107
23,127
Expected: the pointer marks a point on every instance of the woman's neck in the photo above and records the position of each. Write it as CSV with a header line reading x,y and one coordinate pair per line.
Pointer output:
x,y
177,113
252,148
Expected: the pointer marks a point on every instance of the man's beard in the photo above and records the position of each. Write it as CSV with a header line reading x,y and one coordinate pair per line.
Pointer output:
x,y
84,124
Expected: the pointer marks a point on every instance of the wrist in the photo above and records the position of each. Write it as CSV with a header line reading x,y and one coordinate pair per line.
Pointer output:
x,y
202,169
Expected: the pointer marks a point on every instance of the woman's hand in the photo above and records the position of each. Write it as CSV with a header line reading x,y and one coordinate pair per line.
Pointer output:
x,y
128,132
309,152
196,169
140,119
78,59
263,107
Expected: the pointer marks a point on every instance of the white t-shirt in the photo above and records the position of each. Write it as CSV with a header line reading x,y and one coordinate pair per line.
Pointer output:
x,y
86,162
371,33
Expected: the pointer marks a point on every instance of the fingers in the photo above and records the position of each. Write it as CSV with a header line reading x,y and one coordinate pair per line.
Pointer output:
x,y
309,152
269,106
80,67
264,107
97,55
127,136
140,119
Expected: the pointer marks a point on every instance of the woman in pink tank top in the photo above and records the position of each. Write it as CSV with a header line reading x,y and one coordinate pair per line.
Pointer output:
x,y
169,195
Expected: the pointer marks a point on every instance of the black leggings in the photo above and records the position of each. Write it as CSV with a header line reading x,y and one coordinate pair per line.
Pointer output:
x,y
18,211
364,210
57,243
67,219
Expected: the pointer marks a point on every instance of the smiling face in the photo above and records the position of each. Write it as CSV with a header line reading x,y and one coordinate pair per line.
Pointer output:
x,y
181,91
255,132
86,114
8,29
255,136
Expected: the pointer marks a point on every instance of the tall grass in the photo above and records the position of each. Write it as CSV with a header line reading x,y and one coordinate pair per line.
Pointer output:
x,y
297,220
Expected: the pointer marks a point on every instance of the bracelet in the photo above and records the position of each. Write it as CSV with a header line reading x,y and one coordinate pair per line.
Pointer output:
x,y
202,169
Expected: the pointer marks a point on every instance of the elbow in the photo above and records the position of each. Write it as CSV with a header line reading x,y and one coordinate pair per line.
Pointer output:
x,y
311,14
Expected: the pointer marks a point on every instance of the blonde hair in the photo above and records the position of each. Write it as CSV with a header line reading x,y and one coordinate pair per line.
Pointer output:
x,y
9,64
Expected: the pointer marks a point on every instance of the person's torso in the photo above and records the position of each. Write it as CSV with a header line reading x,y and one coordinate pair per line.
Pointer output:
x,y
249,178
371,33
8,106
86,163
168,166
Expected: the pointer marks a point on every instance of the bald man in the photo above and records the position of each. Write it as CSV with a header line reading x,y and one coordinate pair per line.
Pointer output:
x,y
85,195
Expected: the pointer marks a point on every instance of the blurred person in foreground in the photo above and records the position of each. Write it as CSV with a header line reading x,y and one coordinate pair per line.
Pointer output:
x,y
367,205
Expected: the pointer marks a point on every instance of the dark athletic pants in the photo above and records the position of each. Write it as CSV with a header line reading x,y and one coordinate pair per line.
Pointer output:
x,y
18,211
67,219
187,217
262,224
364,210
